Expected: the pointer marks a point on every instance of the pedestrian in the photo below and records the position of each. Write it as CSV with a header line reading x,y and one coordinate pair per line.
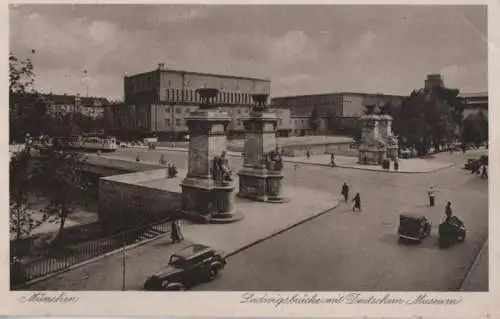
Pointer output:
x,y
332,159
448,211
162,159
179,229
396,164
138,158
484,173
357,203
345,192
431,195
174,232
308,154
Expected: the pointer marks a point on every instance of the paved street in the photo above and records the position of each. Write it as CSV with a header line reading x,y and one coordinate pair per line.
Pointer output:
x,y
343,250
340,250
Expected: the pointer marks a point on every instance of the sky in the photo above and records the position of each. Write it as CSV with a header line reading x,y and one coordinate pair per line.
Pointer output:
x,y
302,49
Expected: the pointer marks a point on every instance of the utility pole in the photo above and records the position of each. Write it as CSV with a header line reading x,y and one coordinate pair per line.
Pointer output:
x,y
123,264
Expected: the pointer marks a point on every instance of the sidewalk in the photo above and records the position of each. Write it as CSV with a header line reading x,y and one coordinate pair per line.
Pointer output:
x,y
261,221
477,278
412,165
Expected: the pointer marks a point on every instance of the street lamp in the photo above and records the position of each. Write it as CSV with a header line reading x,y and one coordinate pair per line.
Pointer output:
x,y
123,264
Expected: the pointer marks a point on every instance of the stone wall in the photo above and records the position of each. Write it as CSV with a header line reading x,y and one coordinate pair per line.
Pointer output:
x,y
138,198
345,149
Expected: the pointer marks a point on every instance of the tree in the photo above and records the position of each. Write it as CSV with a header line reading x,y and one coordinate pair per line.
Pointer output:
x,y
58,174
45,163
315,120
427,119
475,129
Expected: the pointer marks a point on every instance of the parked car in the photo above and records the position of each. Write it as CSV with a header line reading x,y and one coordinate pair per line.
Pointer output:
x,y
191,265
406,153
413,227
451,231
469,164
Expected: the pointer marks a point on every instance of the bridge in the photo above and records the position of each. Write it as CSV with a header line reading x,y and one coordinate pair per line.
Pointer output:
x,y
104,166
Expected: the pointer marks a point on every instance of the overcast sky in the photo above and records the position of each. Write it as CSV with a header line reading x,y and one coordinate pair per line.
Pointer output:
x,y
302,49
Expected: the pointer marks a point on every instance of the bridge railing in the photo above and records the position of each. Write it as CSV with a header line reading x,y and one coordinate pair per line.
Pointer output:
x,y
61,258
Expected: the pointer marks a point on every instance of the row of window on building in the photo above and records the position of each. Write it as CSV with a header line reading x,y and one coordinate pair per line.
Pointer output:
x,y
179,122
190,96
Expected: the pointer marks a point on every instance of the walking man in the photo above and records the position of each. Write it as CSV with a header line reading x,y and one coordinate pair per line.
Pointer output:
x,y
431,196
332,159
174,232
345,191
308,154
357,203
484,173
448,211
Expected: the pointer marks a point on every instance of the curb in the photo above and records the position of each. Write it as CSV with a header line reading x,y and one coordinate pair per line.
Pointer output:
x,y
323,164
372,170
473,266
86,262
129,247
276,233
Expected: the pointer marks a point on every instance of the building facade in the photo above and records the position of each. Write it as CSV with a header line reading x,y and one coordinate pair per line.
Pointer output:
x,y
157,102
474,102
344,104
92,107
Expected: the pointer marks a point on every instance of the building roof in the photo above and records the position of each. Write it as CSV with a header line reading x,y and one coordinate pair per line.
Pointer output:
x,y
473,94
339,93
199,73
64,99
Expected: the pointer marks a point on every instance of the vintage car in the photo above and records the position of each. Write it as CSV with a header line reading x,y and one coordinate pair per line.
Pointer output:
x,y
452,230
187,267
469,164
413,227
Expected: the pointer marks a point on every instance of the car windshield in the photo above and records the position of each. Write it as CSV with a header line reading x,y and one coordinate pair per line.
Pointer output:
x,y
176,261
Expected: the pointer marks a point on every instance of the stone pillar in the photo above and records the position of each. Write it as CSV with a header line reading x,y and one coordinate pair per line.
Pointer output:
x,y
205,198
261,178
370,152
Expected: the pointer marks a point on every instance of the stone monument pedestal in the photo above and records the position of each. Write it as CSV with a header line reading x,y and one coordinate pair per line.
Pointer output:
x,y
370,155
206,195
261,178
392,152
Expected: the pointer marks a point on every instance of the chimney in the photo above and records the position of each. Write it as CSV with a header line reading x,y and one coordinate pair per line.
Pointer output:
x,y
161,66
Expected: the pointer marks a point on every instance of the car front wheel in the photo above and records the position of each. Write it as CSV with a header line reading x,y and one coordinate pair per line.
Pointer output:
x,y
213,272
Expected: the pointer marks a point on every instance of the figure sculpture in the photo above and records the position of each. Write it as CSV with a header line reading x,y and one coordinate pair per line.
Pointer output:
x,y
274,161
221,170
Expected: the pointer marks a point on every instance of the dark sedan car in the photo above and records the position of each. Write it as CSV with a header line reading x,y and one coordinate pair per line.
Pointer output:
x,y
413,227
187,267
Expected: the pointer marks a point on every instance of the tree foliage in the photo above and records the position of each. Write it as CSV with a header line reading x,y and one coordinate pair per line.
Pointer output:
x,y
475,129
426,119
315,120
45,163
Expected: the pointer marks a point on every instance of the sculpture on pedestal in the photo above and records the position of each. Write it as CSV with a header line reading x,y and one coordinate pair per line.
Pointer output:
x,y
261,178
221,169
207,190
377,141
274,161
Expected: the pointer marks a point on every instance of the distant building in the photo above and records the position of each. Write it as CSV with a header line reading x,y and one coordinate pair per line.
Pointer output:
x,y
474,102
157,102
346,106
433,81
64,104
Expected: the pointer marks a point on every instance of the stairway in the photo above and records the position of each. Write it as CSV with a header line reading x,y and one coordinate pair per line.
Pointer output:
x,y
152,232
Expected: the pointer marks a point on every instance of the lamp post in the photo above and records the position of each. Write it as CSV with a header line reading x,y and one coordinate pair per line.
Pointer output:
x,y
123,264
